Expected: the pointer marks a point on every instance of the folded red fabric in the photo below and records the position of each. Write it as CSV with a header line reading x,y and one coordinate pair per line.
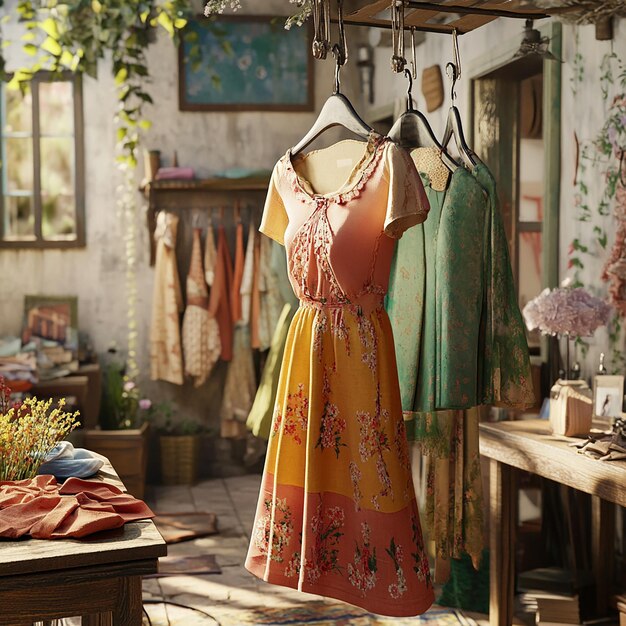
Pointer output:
x,y
44,509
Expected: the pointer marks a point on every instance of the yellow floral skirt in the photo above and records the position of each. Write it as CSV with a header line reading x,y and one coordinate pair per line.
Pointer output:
x,y
337,514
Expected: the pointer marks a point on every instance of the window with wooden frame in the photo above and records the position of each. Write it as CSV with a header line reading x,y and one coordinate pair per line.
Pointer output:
x,y
42,204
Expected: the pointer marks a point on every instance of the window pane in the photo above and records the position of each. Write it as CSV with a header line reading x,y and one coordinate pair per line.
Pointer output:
x,y
57,166
18,164
56,108
18,116
530,271
58,216
57,188
19,221
531,180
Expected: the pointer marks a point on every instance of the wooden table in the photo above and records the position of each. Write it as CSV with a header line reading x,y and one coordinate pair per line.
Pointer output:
x,y
530,446
98,578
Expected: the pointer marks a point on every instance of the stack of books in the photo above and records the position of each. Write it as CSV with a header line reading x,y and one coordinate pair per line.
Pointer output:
x,y
557,608
556,596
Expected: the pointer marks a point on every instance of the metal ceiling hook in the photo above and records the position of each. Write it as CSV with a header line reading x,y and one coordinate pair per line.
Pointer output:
x,y
453,68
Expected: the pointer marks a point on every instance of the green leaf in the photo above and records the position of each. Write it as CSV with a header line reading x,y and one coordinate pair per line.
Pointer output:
x,y
96,6
145,124
31,49
179,23
121,76
67,58
49,26
143,16
121,133
166,22
52,46
29,36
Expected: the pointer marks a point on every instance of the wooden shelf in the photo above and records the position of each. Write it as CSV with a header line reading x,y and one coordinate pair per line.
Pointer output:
x,y
199,193
210,185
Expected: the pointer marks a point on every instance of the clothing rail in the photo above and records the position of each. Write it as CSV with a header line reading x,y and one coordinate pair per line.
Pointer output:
x,y
200,194
421,16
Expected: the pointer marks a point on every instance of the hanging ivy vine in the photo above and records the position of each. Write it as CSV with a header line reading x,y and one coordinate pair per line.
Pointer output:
x,y
597,162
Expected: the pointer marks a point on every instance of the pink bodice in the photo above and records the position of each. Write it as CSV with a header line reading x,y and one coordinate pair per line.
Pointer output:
x,y
340,245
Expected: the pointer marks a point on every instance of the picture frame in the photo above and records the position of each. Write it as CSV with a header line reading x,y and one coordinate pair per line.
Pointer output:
x,y
608,394
51,318
245,63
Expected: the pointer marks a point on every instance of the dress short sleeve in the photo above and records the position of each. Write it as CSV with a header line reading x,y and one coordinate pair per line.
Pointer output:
x,y
274,220
407,203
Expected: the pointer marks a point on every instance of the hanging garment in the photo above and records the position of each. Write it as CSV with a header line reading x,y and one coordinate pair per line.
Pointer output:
x,y
200,349
255,296
240,386
260,417
210,256
210,260
461,271
248,276
270,301
506,373
235,292
166,362
337,514
219,301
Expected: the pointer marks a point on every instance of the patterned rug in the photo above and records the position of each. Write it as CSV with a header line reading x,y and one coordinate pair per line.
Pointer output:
x,y
322,614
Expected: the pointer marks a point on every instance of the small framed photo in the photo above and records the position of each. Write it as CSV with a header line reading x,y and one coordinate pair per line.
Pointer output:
x,y
53,319
608,394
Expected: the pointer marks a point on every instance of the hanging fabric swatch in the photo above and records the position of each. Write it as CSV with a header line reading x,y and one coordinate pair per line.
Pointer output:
x,y
240,386
219,301
166,361
199,348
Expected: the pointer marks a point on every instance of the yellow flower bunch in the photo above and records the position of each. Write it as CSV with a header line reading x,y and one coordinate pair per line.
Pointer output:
x,y
28,432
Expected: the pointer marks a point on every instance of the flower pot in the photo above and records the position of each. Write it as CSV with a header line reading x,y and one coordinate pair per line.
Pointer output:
x,y
127,450
179,459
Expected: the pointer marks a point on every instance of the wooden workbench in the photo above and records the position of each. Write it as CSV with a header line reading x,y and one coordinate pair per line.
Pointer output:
x,y
530,446
98,578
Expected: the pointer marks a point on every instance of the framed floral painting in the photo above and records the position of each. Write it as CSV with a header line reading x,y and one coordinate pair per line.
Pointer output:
x,y
245,63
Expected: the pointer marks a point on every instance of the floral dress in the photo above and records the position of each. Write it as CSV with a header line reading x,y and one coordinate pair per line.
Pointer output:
x,y
337,514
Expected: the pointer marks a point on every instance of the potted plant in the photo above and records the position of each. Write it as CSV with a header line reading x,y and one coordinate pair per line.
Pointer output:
x,y
123,433
179,445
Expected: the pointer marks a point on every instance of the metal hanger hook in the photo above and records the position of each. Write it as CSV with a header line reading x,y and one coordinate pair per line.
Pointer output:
x,y
342,46
338,65
413,55
409,93
453,75
453,68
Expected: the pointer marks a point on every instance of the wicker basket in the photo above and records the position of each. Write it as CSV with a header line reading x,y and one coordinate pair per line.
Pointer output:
x,y
179,459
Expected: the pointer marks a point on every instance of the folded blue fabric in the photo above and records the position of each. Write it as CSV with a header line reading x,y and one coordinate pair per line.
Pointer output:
x,y
65,461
